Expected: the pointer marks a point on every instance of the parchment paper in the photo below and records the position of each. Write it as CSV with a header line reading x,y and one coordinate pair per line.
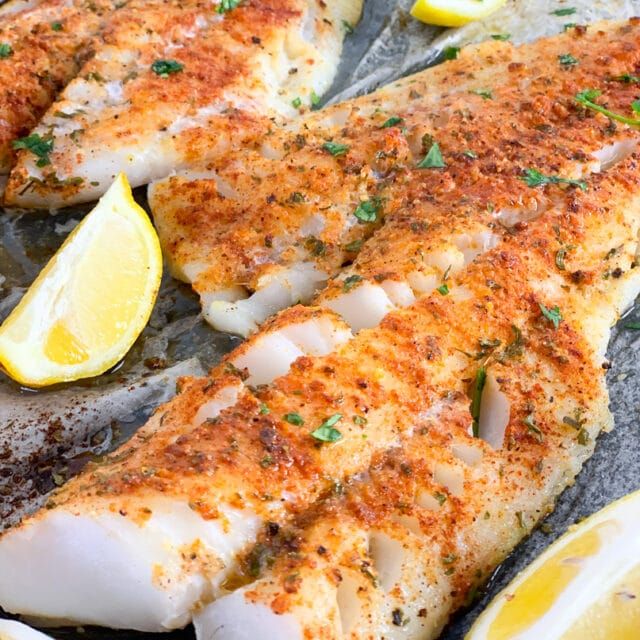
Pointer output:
x,y
48,435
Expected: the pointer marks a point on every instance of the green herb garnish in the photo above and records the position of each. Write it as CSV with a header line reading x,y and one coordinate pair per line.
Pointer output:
x,y
501,36
553,315
296,103
354,245
315,99
392,122
627,78
530,423
5,50
350,282
535,178
264,410
367,210
326,432
443,289
568,11
440,497
293,418
560,255
587,97
634,326
348,27
39,146
485,94
567,60
164,68
569,25
476,399
335,148
433,159
227,5
56,26
451,53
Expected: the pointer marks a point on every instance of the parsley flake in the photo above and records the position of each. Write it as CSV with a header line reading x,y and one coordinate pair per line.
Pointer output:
x,y
392,122
476,399
634,326
443,289
164,68
535,178
326,432
227,5
350,282
501,36
56,26
627,78
335,148
315,99
433,159
451,53
587,99
568,11
296,103
367,210
569,25
485,94
348,27
530,423
567,60
553,315
40,147
5,50
293,418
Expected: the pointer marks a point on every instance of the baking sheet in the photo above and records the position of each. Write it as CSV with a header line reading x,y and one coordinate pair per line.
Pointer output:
x,y
48,435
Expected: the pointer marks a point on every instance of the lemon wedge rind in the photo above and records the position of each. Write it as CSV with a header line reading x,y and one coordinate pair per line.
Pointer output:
x,y
91,301
584,583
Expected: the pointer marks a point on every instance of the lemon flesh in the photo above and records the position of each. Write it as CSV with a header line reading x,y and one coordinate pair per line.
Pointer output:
x,y
91,301
453,13
586,586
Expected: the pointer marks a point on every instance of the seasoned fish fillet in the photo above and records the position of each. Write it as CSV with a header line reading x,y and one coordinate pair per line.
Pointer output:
x,y
178,80
385,421
42,47
264,228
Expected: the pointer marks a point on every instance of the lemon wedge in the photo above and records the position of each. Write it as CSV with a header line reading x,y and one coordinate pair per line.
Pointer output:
x,y
585,586
453,13
91,301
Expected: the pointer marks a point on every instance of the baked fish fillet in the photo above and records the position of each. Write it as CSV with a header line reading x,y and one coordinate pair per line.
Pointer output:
x,y
179,80
304,419
266,227
42,47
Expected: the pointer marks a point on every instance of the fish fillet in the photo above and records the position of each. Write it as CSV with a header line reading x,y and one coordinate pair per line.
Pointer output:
x,y
360,424
174,81
266,227
44,45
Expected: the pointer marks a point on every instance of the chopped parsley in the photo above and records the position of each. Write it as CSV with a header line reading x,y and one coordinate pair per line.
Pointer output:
x,y
315,246
348,27
530,423
501,36
335,148
227,5
635,326
264,410
40,147
354,245
367,210
5,50
485,94
56,26
535,178
296,103
440,497
470,154
635,106
392,122
293,418
164,68
326,432
433,159
350,282
553,315
315,99
443,289
568,11
569,25
451,53
587,99
627,78
560,256
476,399
567,60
